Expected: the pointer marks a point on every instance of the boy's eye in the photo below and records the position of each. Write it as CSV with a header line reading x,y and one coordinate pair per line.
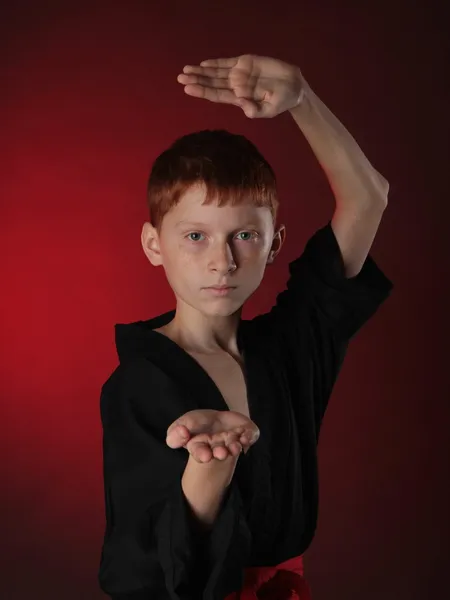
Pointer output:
x,y
195,235
248,235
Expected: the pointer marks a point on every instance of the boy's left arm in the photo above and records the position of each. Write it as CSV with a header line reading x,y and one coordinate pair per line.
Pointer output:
x,y
361,192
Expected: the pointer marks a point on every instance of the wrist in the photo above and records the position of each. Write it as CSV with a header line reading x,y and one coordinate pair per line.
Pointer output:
x,y
204,486
305,99
214,465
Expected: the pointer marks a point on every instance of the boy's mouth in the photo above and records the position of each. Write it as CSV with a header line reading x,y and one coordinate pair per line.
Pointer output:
x,y
220,290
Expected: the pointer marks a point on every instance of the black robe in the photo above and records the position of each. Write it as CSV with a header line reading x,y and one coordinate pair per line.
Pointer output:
x,y
152,548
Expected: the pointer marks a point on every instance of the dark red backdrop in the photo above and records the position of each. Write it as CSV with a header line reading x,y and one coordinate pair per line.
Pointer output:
x,y
89,98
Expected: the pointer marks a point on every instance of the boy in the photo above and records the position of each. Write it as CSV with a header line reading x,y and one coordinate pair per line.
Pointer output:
x,y
211,422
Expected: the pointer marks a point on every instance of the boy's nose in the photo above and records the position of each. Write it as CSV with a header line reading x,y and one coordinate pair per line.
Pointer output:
x,y
222,259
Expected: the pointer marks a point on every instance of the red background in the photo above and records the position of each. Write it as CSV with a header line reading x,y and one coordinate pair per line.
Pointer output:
x,y
89,98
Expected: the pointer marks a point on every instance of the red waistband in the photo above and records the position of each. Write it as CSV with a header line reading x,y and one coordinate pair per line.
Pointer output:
x,y
282,582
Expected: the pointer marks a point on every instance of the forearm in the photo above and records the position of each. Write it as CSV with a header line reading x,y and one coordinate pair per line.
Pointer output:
x,y
351,176
205,485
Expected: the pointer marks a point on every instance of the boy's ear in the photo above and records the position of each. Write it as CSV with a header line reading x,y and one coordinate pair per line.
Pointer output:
x,y
150,244
277,243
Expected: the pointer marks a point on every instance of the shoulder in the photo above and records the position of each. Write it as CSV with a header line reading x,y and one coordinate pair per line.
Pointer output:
x,y
131,384
142,392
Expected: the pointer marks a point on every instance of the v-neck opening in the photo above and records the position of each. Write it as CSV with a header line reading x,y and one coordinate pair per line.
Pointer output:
x,y
204,373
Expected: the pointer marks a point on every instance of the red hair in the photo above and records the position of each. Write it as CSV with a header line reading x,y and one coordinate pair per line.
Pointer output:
x,y
229,165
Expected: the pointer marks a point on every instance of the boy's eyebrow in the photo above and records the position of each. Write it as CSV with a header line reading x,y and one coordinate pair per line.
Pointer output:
x,y
190,223
198,224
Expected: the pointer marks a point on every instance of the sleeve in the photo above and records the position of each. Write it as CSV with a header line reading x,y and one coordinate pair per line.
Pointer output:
x,y
152,547
318,279
333,307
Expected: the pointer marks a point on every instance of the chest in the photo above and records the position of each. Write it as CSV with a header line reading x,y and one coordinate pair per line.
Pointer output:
x,y
228,376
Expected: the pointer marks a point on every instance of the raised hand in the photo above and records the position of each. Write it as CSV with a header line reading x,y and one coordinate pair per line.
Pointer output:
x,y
212,434
261,86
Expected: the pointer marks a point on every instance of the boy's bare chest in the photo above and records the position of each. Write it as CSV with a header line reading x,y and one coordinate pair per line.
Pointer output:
x,y
228,376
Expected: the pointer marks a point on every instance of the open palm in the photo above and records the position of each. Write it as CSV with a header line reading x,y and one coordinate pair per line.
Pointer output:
x,y
261,86
207,434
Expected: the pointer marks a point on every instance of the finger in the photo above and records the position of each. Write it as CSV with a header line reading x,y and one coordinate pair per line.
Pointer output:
x,y
218,444
249,437
200,451
177,435
211,94
233,444
235,448
206,71
175,425
212,82
251,109
238,431
220,452
230,442
220,62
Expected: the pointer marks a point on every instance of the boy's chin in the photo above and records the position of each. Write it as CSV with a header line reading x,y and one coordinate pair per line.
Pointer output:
x,y
223,308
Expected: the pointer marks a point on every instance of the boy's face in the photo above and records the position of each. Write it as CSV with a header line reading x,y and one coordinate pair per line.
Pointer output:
x,y
206,245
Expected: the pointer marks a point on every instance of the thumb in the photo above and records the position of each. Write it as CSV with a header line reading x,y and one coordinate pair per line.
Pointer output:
x,y
250,108
177,435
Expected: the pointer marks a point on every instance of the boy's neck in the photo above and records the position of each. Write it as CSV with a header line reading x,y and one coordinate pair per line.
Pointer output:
x,y
206,334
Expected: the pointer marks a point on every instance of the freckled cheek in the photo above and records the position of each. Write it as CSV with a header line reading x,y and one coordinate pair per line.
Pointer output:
x,y
188,260
194,256
182,271
175,258
249,255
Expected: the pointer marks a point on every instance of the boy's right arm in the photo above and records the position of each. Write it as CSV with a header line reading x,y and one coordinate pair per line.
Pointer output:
x,y
214,440
152,491
204,486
